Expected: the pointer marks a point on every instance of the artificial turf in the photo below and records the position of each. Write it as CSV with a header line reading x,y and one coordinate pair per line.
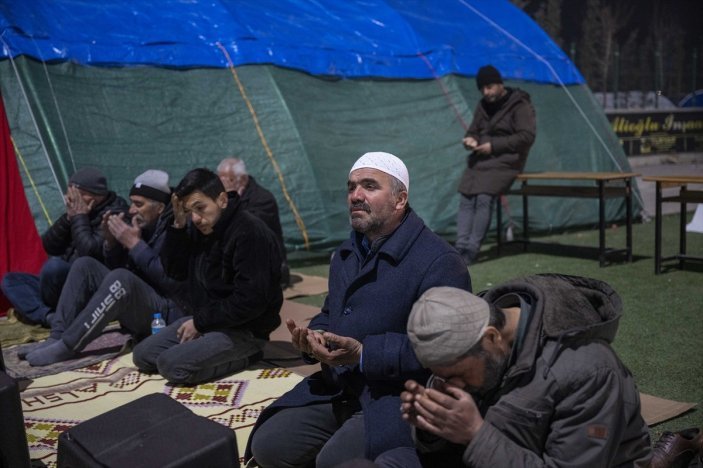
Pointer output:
x,y
660,337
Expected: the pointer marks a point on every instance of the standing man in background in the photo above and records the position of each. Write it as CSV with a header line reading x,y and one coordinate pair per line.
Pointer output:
x,y
500,136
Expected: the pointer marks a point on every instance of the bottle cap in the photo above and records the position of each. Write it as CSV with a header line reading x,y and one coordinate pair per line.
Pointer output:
x,y
157,315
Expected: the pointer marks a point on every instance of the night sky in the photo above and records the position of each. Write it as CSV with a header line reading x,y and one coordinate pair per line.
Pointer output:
x,y
688,14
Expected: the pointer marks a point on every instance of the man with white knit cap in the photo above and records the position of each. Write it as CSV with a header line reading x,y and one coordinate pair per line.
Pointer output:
x,y
349,409
130,286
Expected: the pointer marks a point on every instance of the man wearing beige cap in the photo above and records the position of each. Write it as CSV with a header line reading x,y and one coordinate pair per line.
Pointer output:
x,y
525,376
349,409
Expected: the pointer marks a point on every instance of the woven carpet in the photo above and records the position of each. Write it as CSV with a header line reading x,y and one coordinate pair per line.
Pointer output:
x,y
13,331
55,403
109,344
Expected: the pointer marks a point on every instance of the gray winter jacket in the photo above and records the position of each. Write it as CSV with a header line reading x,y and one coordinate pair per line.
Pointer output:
x,y
566,400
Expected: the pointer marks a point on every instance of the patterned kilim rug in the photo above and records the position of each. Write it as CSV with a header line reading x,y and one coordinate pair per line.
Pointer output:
x,y
55,403
109,344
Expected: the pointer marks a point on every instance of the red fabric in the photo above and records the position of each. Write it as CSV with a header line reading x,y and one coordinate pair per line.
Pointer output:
x,y
20,244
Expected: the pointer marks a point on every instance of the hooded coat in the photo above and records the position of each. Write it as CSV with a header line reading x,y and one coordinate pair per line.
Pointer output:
x,y
370,298
566,399
511,131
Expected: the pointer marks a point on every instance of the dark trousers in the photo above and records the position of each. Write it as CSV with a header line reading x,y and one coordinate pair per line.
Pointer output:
x,y
93,296
213,355
319,436
35,297
472,222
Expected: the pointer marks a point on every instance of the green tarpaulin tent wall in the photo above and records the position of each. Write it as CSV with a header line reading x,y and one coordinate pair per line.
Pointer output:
x,y
298,133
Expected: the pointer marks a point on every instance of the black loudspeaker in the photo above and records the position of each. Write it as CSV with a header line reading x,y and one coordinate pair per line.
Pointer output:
x,y
13,439
153,431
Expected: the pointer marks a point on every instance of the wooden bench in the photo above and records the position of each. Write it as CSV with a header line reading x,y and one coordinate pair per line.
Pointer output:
x,y
684,197
603,185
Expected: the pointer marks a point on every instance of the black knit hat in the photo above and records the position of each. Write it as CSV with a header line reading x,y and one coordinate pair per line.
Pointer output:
x,y
90,179
487,75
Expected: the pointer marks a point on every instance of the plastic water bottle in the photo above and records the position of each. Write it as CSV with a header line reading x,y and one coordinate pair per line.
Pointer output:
x,y
157,324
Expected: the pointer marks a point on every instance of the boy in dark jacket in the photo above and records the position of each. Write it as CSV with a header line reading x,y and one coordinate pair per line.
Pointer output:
x,y
135,288
75,234
230,263
529,380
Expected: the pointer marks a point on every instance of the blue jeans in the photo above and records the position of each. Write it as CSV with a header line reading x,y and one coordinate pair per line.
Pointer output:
x,y
472,222
35,297
213,355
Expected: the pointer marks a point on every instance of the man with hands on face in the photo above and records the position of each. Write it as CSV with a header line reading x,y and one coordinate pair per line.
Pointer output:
x,y
76,233
229,263
349,409
524,376
129,287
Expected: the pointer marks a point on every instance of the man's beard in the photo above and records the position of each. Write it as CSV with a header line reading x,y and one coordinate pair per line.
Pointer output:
x,y
367,224
495,367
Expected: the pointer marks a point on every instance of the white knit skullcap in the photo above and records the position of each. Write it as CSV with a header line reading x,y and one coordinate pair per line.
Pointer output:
x,y
384,162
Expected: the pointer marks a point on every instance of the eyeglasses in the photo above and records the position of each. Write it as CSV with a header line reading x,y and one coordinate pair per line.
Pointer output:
x,y
436,383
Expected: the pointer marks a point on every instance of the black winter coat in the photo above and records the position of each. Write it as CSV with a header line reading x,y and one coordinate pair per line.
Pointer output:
x,y
81,235
233,275
511,131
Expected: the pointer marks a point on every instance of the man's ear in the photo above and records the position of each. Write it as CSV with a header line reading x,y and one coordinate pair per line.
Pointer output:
x,y
222,200
401,201
492,337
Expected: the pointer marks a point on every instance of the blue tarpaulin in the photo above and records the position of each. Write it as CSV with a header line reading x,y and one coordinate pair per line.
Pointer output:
x,y
414,39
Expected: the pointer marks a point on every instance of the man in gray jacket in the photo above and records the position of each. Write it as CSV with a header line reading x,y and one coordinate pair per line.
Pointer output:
x,y
525,376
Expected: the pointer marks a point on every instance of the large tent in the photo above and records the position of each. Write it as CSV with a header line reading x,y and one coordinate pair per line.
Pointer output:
x,y
298,89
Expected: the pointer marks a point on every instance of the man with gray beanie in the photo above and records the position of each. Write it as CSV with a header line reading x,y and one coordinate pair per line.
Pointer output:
x,y
130,287
349,409
524,376
499,137
76,233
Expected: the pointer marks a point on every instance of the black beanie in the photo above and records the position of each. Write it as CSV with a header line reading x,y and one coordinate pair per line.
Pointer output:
x,y
487,75
90,179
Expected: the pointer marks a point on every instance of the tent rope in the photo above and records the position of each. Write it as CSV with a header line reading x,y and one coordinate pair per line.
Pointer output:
x,y
269,153
31,114
562,85
31,181
56,104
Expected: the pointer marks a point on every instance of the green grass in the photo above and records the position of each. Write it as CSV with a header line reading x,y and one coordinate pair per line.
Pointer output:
x,y
661,332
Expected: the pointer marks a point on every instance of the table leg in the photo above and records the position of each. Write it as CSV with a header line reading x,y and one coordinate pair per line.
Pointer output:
x,y
628,206
682,228
658,231
525,218
601,222
499,224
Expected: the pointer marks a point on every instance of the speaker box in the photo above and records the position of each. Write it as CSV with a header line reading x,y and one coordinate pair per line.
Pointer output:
x,y
154,430
14,451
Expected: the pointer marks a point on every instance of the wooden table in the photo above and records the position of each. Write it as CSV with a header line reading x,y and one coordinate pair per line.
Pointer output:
x,y
601,185
685,196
